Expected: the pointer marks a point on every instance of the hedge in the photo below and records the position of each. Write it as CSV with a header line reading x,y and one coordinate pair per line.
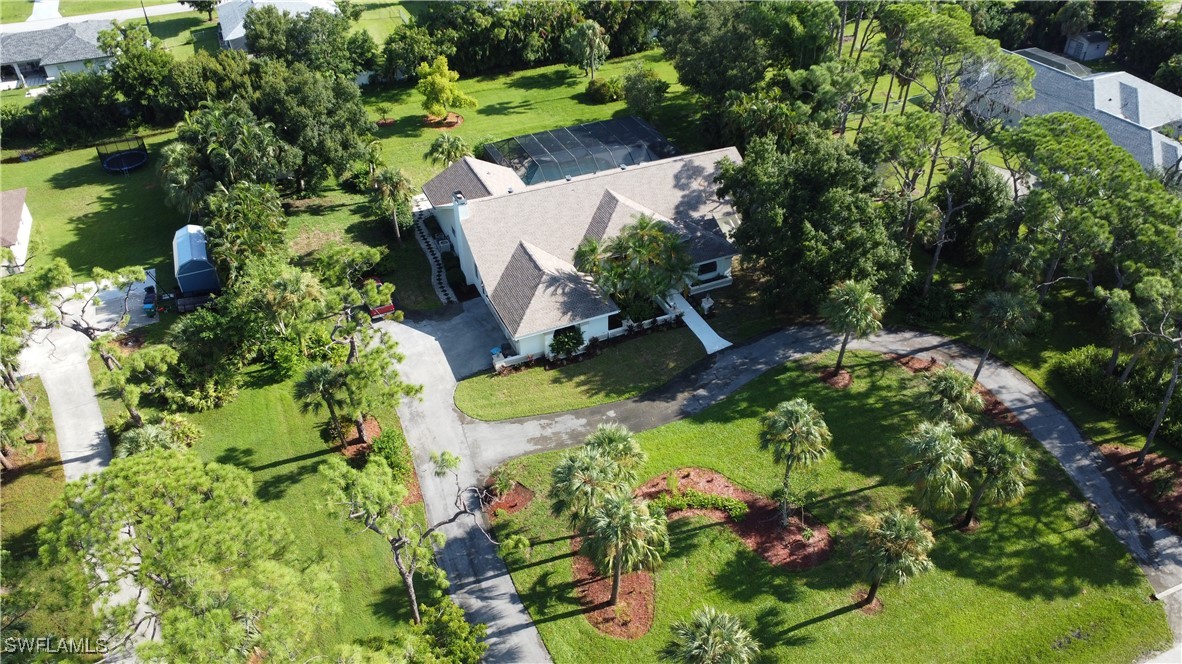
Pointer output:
x,y
690,499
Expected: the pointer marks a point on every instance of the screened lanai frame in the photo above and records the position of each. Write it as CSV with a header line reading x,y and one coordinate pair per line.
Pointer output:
x,y
547,156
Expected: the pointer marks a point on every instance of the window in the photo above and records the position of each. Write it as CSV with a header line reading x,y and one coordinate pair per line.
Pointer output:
x,y
706,269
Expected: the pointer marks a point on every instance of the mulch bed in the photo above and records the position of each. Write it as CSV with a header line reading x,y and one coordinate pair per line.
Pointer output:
x,y
632,616
837,379
872,609
387,122
994,408
27,457
1168,502
761,531
517,499
452,121
129,343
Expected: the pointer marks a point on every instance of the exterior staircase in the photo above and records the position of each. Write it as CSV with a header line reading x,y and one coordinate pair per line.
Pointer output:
x,y
421,209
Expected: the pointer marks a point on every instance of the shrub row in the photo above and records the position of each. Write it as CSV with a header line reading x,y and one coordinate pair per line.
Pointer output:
x,y
391,446
691,500
1139,398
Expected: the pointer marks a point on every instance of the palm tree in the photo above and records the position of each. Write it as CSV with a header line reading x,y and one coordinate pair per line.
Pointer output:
x,y
617,443
999,471
447,150
391,190
798,436
321,385
1001,320
185,187
892,545
646,260
852,310
948,395
711,637
580,482
624,536
936,463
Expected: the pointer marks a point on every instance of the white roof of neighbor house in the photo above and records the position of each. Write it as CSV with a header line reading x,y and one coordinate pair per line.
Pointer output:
x,y
12,205
232,13
524,242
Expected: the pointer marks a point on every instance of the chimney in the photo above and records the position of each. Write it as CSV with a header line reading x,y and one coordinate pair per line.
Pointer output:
x,y
461,205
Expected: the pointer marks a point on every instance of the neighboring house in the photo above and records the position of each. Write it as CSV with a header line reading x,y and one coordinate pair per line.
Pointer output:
x,y
194,271
16,225
1136,114
38,57
232,16
516,243
1087,46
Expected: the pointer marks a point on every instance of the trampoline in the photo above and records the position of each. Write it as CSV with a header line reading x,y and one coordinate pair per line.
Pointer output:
x,y
123,156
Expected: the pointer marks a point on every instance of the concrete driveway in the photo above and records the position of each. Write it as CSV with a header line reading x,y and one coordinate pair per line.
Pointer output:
x,y
465,332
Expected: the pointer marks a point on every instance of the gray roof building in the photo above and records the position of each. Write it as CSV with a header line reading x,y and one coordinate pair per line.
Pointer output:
x,y
12,204
70,42
523,243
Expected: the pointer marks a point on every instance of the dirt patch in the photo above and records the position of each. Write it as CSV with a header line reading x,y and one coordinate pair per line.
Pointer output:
x,y
872,609
452,121
837,379
301,204
1157,480
354,448
517,499
969,529
803,544
632,616
32,455
387,122
129,343
312,239
994,408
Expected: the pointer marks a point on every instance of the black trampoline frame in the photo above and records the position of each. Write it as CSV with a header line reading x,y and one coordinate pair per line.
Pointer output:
x,y
548,156
112,153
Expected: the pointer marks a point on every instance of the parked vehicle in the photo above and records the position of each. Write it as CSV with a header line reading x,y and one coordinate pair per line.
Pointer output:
x,y
150,301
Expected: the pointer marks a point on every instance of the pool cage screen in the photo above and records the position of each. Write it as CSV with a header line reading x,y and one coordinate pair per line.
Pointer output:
x,y
587,148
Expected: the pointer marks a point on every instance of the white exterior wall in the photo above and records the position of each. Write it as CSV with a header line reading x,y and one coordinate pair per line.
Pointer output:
x,y
539,344
20,250
76,67
445,216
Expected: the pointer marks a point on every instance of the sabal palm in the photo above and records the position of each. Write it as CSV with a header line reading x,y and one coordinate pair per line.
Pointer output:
x,y
1001,320
711,637
624,536
321,385
583,479
999,471
617,443
936,464
948,395
852,310
391,189
797,435
892,545
447,149
185,187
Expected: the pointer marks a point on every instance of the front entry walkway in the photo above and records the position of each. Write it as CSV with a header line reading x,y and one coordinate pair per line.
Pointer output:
x,y
698,325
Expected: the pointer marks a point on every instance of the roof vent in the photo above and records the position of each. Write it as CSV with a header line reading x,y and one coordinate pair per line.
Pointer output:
x,y
623,167
568,178
510,190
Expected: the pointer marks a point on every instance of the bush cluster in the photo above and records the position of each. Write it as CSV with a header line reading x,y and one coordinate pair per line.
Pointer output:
x,y
391,446
605,90
696,500
1139,397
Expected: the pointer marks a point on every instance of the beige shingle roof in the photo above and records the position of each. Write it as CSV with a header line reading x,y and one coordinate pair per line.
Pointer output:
x,y
472,177
526,240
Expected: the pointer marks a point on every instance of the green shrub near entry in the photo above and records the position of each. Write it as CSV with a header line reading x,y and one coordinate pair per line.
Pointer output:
x,y
696,500
1139,398
391,446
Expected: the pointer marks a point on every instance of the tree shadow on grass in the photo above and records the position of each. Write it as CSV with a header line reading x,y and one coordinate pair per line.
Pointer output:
x,y
393,604
171,28
548,80
506,108
375,95
408,126
275,486
236,456
546,595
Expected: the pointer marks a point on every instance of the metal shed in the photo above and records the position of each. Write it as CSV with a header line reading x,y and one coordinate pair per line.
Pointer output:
x,y
195,273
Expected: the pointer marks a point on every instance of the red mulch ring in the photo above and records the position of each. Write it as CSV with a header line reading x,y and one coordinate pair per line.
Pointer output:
x,y
1168,502
26,458
994,408
452,121
387,122
872,609
632,616
354,448
517,499
761,530
838,379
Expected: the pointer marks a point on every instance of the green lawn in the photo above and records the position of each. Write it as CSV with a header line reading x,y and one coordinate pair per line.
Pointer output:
x,y
381,17
522,103
1030,585
264,431
24,503
15,11
183,34
619,372
341,217
79,7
